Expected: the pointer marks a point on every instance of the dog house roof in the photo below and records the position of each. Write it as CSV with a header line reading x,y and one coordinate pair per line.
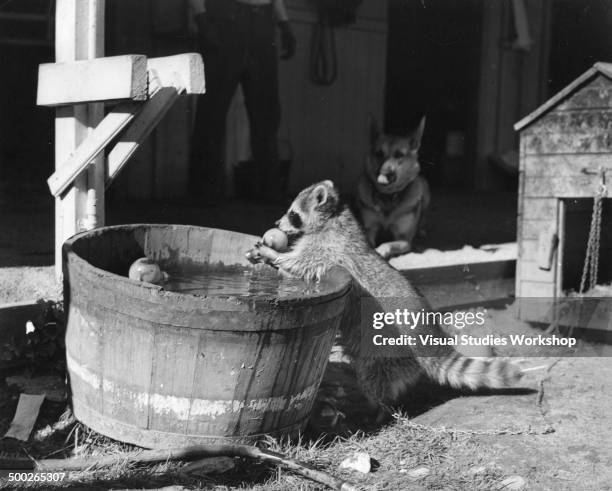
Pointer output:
x,y
597,69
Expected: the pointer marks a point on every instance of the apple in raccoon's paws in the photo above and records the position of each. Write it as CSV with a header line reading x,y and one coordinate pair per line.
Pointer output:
x,y
145,269
276,239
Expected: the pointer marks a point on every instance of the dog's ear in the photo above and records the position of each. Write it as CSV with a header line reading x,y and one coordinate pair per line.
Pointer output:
x,y
417,135
373,129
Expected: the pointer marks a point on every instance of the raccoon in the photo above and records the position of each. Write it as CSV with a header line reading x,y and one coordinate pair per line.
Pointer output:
x,y
323,234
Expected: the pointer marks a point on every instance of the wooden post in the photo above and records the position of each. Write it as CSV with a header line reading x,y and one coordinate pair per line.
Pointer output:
x,y
79,27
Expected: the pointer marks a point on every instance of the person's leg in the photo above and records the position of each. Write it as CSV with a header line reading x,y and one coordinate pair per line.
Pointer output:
x,y
260,86
222,46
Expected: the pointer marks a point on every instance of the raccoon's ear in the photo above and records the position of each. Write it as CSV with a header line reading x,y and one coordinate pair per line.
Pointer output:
x,y
320,193
417,135
373,128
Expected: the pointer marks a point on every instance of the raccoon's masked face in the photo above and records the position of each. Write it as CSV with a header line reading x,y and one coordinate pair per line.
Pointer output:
x,y
310,210
393,160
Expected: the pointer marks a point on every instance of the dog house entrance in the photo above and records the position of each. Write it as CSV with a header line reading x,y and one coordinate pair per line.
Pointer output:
x,y
574,245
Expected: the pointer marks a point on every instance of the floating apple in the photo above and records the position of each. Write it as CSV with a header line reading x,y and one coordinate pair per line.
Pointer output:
x,y
145,269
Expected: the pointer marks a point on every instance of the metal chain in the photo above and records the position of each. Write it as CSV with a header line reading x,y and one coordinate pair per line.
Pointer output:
x,y
591,259
596,243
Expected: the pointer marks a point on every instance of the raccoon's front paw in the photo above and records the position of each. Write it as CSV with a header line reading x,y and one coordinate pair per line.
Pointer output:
x,y
262,254
254,255
391,249
385,250
269,255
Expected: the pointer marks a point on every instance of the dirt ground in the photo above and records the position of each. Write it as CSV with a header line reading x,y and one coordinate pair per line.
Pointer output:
x,y
553,433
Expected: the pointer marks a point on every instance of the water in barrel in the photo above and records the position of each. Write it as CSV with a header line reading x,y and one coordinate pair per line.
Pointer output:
x,y
235,281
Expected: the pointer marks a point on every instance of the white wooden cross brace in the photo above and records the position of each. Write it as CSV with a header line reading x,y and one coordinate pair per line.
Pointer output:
x,y
115,78
168,77
144,117
100,79
95,142
148,118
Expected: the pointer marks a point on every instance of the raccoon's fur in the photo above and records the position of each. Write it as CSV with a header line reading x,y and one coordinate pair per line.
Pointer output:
x,y
323,233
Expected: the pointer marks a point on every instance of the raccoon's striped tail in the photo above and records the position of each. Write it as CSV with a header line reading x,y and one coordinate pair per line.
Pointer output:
x,y
461,371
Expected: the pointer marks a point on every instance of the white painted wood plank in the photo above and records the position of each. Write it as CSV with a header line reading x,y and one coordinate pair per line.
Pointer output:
x,y
70,122
26,415
100,79
185,70
108,129
95,204
146,120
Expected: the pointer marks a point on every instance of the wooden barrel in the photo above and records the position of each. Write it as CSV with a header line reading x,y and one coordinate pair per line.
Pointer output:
x,y
164,369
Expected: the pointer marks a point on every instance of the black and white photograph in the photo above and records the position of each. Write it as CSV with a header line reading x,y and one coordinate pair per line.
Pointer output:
x,y
273,245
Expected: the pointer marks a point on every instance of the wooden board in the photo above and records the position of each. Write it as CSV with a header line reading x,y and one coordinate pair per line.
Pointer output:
x,y
579,186
581,131
565,164
26,415
528,249
599,69
185,70
539,208
79,34
535,310
596,94
530,271
149,116
531,228
537,289
95,203
100,79
116,77
465,285
97,140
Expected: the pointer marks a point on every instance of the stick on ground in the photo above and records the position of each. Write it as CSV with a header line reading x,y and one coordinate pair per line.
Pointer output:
x,y
198,452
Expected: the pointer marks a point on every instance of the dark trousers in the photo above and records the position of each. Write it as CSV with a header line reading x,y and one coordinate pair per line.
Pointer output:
x,y
238,47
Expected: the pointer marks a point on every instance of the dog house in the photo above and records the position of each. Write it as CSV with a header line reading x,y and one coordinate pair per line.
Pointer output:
x,y
565,157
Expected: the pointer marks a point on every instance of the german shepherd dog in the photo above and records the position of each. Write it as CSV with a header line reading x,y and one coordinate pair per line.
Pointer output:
x,y
391,196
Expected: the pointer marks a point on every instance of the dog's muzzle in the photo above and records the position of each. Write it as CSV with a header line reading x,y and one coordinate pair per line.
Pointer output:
x,y
385,179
